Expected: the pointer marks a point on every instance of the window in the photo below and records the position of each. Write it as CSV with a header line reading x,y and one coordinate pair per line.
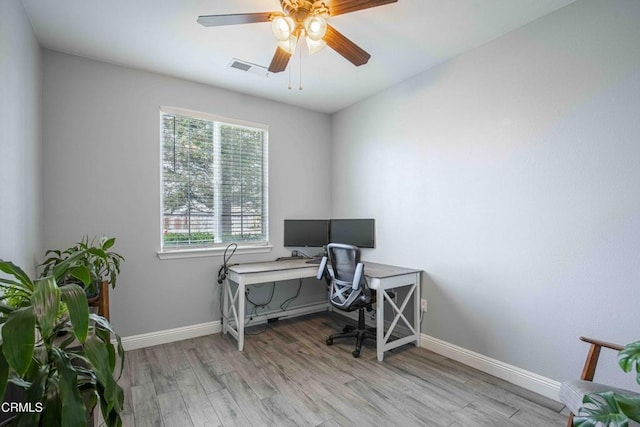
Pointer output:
x,y
214,181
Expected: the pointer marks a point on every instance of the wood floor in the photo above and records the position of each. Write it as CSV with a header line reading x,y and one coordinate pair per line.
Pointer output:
x,y
287,376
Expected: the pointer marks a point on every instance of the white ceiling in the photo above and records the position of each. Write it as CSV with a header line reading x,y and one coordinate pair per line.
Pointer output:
x,y
403,38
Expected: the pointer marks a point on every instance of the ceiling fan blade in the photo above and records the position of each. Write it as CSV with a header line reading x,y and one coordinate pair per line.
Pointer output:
x,y
340,7
279,61
345,47
234,19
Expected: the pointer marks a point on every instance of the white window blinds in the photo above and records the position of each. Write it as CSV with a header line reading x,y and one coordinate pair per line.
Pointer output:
x,y
214,181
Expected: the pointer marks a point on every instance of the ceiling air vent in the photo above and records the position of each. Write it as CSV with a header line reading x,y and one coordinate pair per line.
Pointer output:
x,y
248,67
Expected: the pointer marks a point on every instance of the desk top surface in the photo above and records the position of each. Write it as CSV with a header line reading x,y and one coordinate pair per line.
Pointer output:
x,y
263,267
371,269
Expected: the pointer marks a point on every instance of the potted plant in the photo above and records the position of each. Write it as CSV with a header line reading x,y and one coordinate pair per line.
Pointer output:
x,y
609,408
94,263
65,362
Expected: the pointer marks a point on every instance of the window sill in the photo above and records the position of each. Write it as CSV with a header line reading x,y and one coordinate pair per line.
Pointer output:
x,y
211,252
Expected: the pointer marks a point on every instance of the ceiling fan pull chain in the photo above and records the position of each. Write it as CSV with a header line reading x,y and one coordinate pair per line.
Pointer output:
x,y
300,80
291,47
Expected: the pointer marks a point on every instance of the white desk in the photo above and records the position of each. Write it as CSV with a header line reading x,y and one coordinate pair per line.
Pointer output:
x,y
250,274
384,278
381,277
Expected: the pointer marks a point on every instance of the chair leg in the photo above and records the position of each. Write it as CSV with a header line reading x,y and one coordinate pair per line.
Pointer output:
x,y
350,334
361,336
359,333
570,421
347,332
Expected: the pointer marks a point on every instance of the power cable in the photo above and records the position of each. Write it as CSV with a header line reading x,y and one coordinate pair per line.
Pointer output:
x,y
224,271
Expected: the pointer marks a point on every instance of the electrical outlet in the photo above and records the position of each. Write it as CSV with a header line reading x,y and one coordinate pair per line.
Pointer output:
x,y
423,304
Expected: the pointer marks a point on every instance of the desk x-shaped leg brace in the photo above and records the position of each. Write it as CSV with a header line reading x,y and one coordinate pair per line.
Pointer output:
x,y
235,325
382,296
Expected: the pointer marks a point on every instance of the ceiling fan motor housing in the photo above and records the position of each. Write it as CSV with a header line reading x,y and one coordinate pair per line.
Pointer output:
x,y
299,10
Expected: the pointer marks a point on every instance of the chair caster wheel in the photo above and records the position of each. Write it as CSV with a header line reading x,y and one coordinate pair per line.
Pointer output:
x,y
355,353
329,341
347,328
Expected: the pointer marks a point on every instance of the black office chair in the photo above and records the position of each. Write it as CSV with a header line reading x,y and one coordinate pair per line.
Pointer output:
x,y
348,290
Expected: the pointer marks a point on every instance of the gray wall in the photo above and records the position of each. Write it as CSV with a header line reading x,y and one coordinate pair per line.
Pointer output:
x,y
102,176
20,146
511,175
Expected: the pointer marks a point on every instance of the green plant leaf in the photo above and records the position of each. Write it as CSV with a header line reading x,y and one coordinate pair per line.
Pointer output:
x,y
630,405
96,351
102,323
23,279
73,409
66,342
81,273
5,309
111,416
53,407
46,301
11,284
105,336
601,409
35,392
76,301
18,336
4,374
63,268
98,252
108,243
629,357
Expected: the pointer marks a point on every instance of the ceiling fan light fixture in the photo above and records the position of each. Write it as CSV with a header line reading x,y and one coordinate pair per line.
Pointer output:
x,y
282,27
289,45
314,45
315,27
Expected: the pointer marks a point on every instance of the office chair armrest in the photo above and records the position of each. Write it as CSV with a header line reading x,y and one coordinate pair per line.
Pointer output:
x,y
322,268
357,276
590,364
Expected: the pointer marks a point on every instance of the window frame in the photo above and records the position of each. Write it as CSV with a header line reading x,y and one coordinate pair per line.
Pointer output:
x,y
216,249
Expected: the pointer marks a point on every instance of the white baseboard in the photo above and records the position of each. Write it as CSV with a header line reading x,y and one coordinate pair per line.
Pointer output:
x,y
528,380
134,342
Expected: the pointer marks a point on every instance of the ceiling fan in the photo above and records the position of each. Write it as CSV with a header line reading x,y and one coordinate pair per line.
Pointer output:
x,y
303,19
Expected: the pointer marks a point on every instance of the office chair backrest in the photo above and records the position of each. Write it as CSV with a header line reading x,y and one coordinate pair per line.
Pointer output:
x,y
348,285
344,260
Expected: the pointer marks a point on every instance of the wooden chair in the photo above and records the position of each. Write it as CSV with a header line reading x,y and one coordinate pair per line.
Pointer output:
x,y
572,392
101,301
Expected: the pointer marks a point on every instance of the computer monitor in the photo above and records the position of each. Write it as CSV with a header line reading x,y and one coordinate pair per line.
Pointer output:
x,y
357,232
312,233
